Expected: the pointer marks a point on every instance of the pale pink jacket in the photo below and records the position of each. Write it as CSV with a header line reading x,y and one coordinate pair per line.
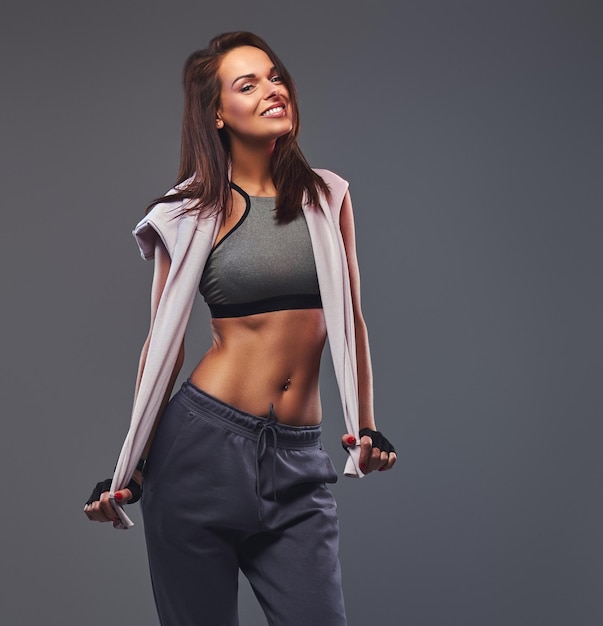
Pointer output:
x,y
188,239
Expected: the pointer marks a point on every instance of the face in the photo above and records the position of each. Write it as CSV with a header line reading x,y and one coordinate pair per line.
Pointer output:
x,y
254,102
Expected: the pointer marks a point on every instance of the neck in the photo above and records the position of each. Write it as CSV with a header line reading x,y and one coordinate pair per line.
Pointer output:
x,y
251,168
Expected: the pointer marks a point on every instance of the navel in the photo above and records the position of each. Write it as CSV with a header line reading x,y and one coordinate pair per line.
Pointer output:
x,y
287,384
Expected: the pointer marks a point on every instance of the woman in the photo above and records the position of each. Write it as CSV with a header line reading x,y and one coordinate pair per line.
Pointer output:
x,y
235,475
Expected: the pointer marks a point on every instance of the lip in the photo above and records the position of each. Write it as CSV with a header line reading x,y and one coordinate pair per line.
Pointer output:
x,y
281,113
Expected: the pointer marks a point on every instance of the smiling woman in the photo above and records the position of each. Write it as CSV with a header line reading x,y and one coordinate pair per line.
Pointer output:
x,y
254,106
235,476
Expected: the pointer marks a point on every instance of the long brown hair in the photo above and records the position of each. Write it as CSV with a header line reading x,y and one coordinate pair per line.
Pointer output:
x,y
205,150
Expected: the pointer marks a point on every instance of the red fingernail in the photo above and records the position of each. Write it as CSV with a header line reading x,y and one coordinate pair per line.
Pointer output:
x,y
118,496
381,469
351,440
363,466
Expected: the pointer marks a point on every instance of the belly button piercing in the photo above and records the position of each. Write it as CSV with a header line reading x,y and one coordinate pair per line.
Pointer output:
x,y
286,385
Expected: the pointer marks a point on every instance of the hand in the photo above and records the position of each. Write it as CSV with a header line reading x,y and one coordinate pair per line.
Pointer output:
x,y
372,457
99,507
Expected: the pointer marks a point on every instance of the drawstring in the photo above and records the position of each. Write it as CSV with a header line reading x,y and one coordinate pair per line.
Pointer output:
x,y
268,425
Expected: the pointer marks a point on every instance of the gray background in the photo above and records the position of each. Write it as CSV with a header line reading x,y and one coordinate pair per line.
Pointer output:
x,y
471,135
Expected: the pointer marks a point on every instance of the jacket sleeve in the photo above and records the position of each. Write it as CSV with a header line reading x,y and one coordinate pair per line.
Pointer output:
x,y
145,236
162,221
335,290
338,187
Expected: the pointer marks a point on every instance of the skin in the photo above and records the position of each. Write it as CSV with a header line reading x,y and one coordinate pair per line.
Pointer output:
x,y
257,360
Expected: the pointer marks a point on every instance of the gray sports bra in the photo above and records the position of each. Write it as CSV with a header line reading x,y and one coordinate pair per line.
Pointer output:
x,y
261,265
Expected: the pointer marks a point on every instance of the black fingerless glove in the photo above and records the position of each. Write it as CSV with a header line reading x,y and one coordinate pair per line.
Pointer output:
x,y
105,485
379,441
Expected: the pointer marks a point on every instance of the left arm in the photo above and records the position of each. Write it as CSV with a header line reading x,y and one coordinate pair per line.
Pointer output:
x,y
363,355
371,458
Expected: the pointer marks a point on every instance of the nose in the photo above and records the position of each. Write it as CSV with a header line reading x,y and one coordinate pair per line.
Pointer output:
x,y
272,91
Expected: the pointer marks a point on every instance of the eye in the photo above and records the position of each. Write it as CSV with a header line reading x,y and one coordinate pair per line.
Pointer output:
x,y
276,79
246,87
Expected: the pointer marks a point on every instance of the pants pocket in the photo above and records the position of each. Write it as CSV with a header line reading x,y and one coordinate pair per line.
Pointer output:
x,y
165,444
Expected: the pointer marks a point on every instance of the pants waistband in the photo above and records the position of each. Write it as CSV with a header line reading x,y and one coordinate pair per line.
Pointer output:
x,y
247,424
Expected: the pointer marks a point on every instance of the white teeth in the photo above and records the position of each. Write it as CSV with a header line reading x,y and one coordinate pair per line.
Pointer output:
x,y
273,110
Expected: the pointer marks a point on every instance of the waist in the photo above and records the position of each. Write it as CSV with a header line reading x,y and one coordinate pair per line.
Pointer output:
x,y
246,424
267,358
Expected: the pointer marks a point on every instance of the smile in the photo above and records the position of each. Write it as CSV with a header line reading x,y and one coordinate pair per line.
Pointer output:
x,y
276,111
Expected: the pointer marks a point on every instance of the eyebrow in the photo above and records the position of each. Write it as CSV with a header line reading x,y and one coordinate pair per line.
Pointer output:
x,y
272,69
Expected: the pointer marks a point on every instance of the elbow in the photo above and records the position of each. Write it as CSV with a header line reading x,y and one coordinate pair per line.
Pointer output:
x,y
360,330
359,322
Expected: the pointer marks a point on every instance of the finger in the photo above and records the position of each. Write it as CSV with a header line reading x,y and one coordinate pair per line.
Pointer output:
x,y
375,461
105,510
384,458
348,440
123,496
366,444
390,462
93,511
96,513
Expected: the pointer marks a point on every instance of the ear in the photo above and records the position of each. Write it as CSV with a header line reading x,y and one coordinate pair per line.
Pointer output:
x,y
219,121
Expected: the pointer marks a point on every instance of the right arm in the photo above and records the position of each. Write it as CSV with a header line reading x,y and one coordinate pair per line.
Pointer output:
x,y
101,510
162,268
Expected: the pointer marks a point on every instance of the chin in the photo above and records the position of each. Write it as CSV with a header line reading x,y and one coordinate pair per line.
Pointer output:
x,y
275,134
286,129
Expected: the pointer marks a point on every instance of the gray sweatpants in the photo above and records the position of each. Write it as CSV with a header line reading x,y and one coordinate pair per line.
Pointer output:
x,y
223,490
